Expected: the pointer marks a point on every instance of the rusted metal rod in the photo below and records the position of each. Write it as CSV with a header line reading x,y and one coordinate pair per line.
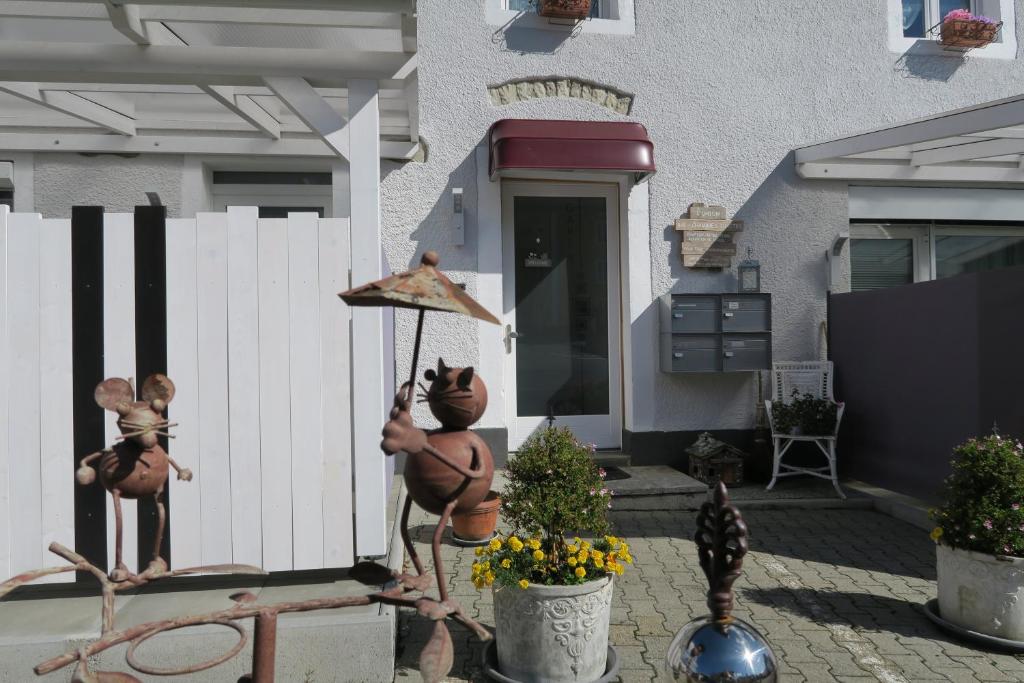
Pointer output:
x,y
264,647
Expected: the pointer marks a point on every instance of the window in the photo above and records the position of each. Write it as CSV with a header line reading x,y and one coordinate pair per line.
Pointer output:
x,y
531,6
891,254
920,15
909,22
276,193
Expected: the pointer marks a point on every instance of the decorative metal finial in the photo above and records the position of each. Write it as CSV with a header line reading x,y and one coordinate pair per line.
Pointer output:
x,y
721,544
719,646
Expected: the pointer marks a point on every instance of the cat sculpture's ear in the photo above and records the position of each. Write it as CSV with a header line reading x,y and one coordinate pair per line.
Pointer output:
x,y
465,378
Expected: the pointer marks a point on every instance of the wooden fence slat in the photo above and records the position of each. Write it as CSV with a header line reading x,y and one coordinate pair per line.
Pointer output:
x,y
57,434
275,394
215,485
244,383
119,353
183,369
339,542
6,515
23,437
304,343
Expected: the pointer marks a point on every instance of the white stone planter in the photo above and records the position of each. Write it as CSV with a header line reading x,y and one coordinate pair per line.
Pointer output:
x,y
981,593
551,634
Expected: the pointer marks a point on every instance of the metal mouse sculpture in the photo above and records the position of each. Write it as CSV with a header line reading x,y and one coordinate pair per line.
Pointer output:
x,y
136,467
448,469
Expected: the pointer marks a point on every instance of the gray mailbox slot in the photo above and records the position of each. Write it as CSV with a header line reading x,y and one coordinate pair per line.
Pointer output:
x,y
716,332
746,313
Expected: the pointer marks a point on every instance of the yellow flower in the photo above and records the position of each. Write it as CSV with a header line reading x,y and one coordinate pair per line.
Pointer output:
x,y
486,565
494,545
580,572
584,545
936,533
479,582
623,547
515,544
524,584
534,544
619,569
612,541
597,555
599,563
489,581
490,577
576,540
572,549
613,566
506,563
479,551
477,567
612,556
627,558
572,561
583,556
538,555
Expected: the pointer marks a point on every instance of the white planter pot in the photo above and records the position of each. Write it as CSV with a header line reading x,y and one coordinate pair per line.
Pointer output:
x,y
550,634
981,593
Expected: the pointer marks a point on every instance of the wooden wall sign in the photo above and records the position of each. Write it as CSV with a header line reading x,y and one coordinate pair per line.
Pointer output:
x,y
708,237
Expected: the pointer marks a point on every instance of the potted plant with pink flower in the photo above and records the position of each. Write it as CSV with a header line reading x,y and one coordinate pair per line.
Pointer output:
x,y
564,9
552,592
980,539
960,28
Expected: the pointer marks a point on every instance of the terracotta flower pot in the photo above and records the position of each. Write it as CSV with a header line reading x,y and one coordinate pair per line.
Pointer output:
x,y
968,33
479,523
564,9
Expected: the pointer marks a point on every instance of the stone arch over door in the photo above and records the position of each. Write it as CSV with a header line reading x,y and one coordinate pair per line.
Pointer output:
x,y
569,88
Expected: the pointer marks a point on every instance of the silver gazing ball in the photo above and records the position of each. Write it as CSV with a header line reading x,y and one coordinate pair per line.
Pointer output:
x,y
712,651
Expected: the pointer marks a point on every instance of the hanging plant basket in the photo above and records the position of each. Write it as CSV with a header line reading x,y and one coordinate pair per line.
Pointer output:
x,y
564,9
968,33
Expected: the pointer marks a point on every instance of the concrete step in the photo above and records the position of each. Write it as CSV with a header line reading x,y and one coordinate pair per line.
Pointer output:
x,y
611,459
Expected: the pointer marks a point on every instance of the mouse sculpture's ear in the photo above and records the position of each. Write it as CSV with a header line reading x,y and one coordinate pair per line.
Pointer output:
x,y
465,378
113,392
158,387
430,375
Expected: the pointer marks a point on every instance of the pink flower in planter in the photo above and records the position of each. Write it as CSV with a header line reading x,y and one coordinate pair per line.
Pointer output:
x,y
987,524
1015,506
1006,549
958,15
600,471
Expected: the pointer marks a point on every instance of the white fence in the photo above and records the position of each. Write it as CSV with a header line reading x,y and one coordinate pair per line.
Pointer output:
x,y
258,345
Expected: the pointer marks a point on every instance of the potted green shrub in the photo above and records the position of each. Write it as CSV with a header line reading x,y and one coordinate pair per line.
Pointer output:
x,y
980,539
805,415
960,28
552,594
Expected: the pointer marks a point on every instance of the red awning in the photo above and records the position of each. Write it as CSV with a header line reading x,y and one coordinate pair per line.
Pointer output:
x,y
597,146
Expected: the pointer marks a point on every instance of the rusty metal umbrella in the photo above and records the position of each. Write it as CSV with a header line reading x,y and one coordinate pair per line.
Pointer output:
x,y
424,288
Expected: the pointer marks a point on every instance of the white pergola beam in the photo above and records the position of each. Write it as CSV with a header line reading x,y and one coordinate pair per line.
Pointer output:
x,y
401,6
306,103
270,17
969,152
999,133
838,169
190,144
245,108
193,65
125,18
999,114
72,105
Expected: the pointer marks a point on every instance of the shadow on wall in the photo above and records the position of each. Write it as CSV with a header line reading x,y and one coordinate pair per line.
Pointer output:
x,y
517,35
921,62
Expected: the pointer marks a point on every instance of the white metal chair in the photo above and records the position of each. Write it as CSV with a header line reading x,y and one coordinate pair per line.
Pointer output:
x,y
815,378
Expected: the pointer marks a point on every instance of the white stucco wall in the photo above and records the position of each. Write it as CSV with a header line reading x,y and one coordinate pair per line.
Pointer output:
x,y
726,91
64,180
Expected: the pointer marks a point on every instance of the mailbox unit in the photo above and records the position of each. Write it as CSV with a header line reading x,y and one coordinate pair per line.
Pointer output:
x,y
716,332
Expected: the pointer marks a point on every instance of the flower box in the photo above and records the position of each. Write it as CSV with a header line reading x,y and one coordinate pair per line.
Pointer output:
x,y
961,29
564,9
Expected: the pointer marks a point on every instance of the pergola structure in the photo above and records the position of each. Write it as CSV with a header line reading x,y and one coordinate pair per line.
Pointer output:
x,y
980,144
251,77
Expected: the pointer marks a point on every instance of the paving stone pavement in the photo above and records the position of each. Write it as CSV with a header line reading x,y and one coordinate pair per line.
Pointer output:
x,y
838,594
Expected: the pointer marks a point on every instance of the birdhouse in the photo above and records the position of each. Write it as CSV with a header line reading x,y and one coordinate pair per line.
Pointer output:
x,y
712,461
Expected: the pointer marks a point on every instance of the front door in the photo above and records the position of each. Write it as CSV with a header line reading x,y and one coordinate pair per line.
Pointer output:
x,y
561,290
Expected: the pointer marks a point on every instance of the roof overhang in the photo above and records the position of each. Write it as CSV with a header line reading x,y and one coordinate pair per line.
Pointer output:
x,y
232,77
612,147
980,144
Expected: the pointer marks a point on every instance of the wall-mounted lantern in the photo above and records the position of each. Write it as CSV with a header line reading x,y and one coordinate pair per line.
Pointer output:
x,y
749,274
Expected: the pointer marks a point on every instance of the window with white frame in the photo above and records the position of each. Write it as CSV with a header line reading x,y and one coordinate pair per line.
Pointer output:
x,y
911,21
888,254
606,16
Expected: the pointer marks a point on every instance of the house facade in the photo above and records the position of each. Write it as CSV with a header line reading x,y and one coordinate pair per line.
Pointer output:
x,y
575,251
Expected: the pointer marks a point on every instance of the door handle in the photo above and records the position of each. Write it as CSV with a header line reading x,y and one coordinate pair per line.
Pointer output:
x,y
510,334
727,315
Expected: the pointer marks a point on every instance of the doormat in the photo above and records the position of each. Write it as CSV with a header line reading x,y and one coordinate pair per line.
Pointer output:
x,y
612,473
